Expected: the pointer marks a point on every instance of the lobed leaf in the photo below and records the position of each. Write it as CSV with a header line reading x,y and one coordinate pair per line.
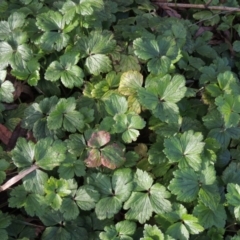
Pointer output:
x,y
185,149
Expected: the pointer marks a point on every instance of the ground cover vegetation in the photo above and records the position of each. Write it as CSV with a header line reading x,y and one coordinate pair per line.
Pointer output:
x,y
119,120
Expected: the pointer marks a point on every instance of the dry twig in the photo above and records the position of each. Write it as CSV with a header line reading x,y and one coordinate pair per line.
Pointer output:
x,y
18,177
198,6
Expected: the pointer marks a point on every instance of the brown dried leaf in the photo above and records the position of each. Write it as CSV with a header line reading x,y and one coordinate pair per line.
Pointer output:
x,y
5,134
141,149
18,132
171,12
20,88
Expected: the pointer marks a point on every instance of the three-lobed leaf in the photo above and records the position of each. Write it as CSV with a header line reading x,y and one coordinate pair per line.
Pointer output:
x,y
114,191
122,230
160,95
185,149
65,115
161,52
228,106
146,198
66,69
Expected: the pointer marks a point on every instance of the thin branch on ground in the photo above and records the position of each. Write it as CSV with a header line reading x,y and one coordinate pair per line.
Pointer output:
x,y
198,6
18,177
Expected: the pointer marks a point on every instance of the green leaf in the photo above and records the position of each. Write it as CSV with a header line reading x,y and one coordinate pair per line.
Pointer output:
x,y
16,54
52,23
95,46
71,229
122,230
97,43
70,167
69,209
109,234
93,225
178,230
179,224
161,95
130,82
236,46
34,204
55,189
231,173
84,8
161,52
143,180
127,125
64,115
75,230
107,207
76,144
86,197
192,224
34,117
51,218
100,89
185,149
98,63
6,88
34,182
18,229
224,136
28,71
49,153
3,167
210,73
66,69
55,233
15,21
208,16
34,113
213,119
127,63
5,220
6,52
116,104
185,184
113,191
152,232
226,83
141,205
126,227
162,65
208,217
182,230
228,106
233,198
169,90
23,153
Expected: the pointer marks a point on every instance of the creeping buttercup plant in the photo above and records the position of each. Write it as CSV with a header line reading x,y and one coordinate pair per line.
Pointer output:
x,y
119,120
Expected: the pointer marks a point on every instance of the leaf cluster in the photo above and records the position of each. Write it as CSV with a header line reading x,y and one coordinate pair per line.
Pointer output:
x,y
119,122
